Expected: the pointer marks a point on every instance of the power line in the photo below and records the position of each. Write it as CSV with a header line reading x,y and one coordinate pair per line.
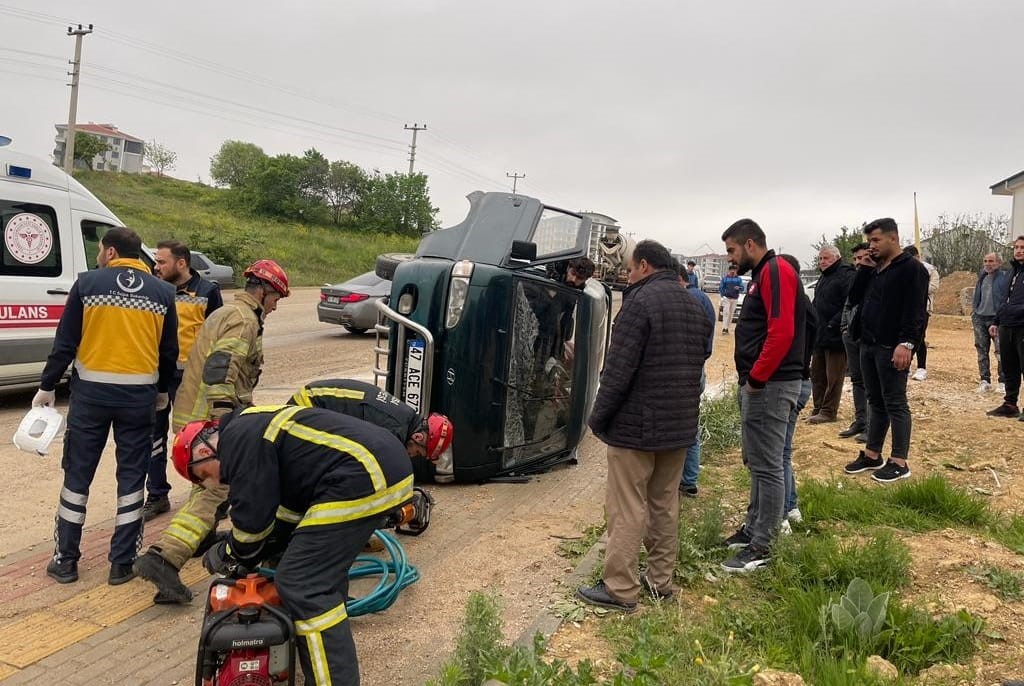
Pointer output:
x,y
415,128
515,176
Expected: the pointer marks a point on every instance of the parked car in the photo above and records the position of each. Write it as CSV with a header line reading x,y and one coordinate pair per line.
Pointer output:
x,y
353,304
480,330
221,274
709,284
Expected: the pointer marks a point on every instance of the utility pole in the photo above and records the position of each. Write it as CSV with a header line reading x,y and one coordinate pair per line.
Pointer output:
x,y
76,66
515,176
412,148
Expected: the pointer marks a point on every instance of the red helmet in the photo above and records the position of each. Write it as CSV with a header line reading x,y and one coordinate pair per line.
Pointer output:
x,y
271,272
440,432
181,449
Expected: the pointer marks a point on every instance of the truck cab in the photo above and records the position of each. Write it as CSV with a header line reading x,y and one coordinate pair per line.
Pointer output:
x,y
51,227
481,326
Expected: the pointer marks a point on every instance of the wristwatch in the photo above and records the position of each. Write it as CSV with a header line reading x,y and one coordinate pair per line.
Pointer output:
x,y
908,345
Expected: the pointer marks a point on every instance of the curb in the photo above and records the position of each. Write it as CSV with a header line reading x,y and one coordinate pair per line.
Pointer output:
x,y
547,623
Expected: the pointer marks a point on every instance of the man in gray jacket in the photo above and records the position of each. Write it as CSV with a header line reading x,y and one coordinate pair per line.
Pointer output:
x,y
646,412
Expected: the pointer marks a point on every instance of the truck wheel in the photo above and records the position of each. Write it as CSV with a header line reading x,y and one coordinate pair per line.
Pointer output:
x,y
389,261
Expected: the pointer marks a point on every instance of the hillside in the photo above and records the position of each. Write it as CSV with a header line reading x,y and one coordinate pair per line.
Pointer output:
x,y
204,218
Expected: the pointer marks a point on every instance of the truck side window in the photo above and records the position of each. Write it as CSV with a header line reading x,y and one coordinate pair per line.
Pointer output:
x,y
92,232
31,240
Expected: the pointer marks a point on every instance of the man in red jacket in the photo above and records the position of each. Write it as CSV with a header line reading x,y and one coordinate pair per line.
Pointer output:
x,y
770,363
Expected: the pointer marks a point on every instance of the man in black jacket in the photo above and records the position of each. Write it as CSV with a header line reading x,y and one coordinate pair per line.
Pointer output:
x,y
314,483
828,363
1008,325
892,302
857,429
770,352
646,412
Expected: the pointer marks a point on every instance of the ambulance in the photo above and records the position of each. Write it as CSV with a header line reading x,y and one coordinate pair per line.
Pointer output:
x,y
51,227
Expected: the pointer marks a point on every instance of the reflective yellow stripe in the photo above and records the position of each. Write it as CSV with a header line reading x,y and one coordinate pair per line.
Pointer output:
x,y
232,345
329,392
341,444
246,537
322,622
318,659
279,422
290,516
339,511
263,409
302,398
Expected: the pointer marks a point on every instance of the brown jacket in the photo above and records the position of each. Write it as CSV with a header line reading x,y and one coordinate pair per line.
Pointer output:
x,y
224,363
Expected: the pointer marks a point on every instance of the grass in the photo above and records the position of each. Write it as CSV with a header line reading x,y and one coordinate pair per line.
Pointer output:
x,y
575,548
201,216
1006,584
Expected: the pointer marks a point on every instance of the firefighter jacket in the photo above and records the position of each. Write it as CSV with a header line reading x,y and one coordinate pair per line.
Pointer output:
x,y
224,363
295,467
363,401
195,300
120,328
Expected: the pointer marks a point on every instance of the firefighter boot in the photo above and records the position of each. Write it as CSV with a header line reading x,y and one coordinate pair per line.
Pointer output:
x,y
164,576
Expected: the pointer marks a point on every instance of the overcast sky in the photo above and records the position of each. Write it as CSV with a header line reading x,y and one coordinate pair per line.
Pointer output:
x,y
676,117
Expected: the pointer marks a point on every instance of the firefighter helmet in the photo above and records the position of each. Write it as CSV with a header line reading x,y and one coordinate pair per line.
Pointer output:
x,y
440,433
181,449
271,272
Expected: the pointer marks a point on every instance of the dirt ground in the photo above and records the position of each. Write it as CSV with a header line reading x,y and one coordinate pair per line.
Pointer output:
x,y
952,436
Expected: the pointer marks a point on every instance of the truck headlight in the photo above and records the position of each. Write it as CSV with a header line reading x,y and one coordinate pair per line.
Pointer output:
x,y
458,289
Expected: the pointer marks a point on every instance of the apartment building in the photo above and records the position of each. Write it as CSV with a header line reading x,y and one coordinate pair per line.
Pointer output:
x,y
126,152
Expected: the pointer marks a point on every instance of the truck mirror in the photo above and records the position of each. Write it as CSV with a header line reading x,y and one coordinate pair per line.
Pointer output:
x,y
523,252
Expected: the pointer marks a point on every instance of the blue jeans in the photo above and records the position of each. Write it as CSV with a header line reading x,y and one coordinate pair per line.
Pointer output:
x,y
765,416
691,468
787,450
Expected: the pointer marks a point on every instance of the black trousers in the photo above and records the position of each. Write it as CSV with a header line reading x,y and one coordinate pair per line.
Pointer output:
x,y
921,351
1011,352
86,435
312,580
860,401
887,399
156,481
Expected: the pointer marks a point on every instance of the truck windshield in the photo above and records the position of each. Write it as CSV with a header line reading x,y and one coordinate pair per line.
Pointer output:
x,y
540,371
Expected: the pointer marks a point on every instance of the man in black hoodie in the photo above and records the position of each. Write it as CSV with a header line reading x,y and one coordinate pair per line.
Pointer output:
x,y
828,364
1009,326
890,320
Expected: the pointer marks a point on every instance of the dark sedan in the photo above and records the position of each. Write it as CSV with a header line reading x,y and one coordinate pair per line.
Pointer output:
x,y
353,304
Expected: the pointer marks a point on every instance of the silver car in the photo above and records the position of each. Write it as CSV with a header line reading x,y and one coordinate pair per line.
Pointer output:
x,y
353,304
221,274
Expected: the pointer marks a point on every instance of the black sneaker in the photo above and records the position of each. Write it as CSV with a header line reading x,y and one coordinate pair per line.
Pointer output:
x,y
747,560
164,576
863,463
120,574
65,572
652,590
862,437
740,539
891,472
1005,410
599,595
852,430
688,491
155,507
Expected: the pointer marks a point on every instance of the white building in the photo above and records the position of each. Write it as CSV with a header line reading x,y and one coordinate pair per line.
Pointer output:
x,y
125,154
1014,187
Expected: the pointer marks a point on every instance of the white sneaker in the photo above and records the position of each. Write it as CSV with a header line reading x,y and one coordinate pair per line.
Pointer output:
x,y
785,529
920,374
795,515
1001,388
983,387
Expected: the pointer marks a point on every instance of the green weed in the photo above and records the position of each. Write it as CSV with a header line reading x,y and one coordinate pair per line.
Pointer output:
x,y
575,548
1010,534
720,424
1007,584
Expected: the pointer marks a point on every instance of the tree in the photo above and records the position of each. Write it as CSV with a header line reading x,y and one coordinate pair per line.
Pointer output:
x,y
314,169
237,163
845,240
397,203
88,146
345,184
160,157
960,242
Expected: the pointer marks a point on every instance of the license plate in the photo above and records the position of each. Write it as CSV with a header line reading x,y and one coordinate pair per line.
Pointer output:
x,y
414,374
333,299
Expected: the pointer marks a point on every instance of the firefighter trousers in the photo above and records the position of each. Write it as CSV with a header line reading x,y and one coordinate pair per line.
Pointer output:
x,y
190,525
156,482
84,439
312,579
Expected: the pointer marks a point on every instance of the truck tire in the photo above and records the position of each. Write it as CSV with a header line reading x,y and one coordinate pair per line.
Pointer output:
x,y
389,261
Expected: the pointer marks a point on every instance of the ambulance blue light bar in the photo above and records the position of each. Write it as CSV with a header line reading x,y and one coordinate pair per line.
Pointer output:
x,y
20,172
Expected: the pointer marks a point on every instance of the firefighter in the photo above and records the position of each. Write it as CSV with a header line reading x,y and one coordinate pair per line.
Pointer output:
x,y
314,482
195,300
222,370
120,327
428,437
